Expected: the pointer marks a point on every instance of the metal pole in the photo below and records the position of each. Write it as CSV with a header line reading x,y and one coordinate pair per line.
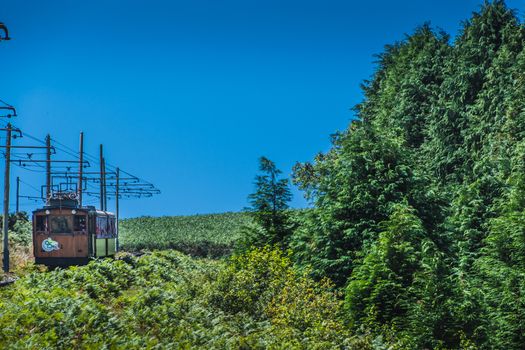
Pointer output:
x,y
17,194
48,168
117,207
80,169
105,188
6,197
101,177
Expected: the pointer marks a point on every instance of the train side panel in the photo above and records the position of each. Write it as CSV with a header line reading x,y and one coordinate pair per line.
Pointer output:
x,y
104,237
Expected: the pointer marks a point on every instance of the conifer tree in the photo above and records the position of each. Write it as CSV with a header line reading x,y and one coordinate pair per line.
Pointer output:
x,y
441,130
269,205
378,291
500,269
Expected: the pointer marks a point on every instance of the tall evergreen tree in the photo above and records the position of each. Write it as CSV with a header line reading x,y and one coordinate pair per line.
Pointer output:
x,y
500,269
354,187
440,133
269,205
378,291
374,164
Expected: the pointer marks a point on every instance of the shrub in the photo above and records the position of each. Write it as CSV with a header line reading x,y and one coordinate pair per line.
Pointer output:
x,y
166,300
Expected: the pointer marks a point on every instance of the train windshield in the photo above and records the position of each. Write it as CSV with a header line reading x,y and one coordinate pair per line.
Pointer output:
x,y
61,223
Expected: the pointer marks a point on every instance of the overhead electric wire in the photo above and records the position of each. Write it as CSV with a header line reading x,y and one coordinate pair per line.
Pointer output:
x,y
29,185
66,149
97,161
5,103
131,187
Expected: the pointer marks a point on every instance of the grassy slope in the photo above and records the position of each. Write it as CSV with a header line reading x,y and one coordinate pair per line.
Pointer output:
x,y
202,235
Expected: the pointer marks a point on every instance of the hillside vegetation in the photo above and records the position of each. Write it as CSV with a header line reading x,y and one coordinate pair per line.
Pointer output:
x,y
419,206
168,300
201,235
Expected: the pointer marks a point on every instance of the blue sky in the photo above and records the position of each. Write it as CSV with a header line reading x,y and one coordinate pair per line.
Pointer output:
x,y
188,94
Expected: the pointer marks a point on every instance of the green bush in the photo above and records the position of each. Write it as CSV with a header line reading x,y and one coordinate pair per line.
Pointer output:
x,y
167,300
21,234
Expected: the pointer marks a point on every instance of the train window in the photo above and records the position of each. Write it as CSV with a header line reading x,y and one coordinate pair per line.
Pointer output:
x,y
105,227
41,223
101,226
60,224
79,223
111,223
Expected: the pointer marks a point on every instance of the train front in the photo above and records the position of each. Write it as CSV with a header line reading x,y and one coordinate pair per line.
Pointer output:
x,y
65,234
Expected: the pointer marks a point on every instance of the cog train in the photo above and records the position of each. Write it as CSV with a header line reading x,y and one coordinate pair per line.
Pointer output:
x,y
66,234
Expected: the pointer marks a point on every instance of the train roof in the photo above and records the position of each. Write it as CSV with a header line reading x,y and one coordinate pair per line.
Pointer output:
x,y
89,209
101,212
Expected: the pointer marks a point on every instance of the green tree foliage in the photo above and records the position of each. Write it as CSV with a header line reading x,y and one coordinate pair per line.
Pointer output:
x,y
20,229
501,266
21,233
418,206
13,219
268,207
401,107
378,291
354,187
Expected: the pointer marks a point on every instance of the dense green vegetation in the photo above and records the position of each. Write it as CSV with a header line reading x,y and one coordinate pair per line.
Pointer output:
x,y
419,207
19,242
19,227
168,300
201,235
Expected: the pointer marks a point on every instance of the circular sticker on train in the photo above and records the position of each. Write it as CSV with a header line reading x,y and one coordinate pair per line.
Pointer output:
x,y
48,245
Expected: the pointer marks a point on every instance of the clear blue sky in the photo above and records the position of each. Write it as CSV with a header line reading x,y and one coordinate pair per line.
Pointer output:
x,y
188,94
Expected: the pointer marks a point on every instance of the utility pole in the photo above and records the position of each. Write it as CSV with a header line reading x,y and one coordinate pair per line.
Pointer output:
x,y
17,194
117,206
48,168
105,187
6,176
102,175
80,169
6,197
